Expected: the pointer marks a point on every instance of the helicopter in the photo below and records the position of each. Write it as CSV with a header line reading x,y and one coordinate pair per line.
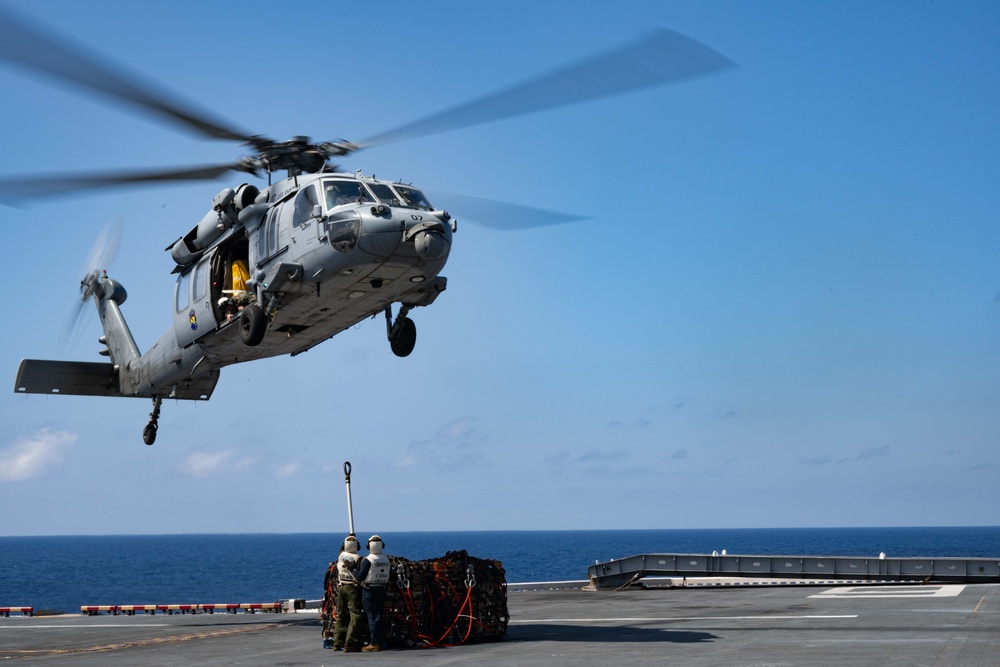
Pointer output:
x,y
278,268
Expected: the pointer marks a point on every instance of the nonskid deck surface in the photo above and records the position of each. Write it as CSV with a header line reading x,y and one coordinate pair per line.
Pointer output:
x,y
952,624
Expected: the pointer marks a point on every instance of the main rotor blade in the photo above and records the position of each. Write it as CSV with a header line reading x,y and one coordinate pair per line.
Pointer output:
x,y
15,191
660,57
501,215
29,47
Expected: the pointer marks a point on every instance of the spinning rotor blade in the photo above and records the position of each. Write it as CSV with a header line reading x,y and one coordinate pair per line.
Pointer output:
x,y
101,256
16,190
503,216
660,57
54,55
104,251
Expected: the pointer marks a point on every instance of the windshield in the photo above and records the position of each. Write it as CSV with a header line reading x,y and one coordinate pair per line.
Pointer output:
x,y
412,198
385,194
345,192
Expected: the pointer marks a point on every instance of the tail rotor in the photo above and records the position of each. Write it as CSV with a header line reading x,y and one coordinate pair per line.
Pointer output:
x,y
101,256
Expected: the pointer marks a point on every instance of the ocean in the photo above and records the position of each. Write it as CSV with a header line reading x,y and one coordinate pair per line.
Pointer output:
x,y
63,573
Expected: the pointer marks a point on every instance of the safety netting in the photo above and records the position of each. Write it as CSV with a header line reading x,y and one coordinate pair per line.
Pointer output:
x,y
454,599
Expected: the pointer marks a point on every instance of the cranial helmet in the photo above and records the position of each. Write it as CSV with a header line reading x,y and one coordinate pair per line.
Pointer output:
x,y
351,544
375,544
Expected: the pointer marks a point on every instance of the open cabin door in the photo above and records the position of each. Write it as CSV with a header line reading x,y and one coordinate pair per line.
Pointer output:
x,y
194,310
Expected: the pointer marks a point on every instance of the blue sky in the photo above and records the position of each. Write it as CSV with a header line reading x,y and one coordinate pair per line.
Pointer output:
x,y
783,311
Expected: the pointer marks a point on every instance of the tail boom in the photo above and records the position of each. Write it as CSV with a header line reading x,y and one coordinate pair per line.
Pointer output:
x,y
85,378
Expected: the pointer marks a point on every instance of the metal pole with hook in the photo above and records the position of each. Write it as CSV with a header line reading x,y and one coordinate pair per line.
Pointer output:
x,y
350,508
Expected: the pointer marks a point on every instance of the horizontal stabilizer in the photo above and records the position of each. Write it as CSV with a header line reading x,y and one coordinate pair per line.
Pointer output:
x,y
85,378
77,378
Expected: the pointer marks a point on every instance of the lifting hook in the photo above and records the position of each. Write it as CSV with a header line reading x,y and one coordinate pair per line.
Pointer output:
x,y
350,509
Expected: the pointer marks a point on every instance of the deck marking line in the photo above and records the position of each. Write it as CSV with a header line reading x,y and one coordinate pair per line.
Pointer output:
x,y
854,592
151,641
67,626
677,618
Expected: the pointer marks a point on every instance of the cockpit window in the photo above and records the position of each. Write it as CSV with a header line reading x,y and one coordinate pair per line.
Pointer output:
x,y
385,194
183,297
304,203
345,192
412,198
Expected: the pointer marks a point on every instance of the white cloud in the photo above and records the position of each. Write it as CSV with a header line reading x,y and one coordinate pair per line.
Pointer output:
x,y
408,461
873,452
29,457
459,428
455,445
205,464
243,464
602,455
560,457
288,469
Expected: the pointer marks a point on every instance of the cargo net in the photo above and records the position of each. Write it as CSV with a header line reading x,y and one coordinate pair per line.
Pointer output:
x,y
455,599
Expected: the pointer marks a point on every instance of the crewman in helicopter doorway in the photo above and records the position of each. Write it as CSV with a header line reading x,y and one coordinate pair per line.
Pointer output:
x,y
374,577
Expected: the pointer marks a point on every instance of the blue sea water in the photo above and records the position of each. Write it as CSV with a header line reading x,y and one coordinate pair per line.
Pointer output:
x,y
63,573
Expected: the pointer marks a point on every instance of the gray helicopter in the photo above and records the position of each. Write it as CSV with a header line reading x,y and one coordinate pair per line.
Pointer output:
x,y
277,269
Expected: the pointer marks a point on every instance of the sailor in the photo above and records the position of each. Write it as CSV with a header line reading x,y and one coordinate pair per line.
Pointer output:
x,y
228,307
347,630
240,273
374,576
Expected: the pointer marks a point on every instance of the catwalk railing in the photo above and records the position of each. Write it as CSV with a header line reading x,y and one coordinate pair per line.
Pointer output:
x,y
618,572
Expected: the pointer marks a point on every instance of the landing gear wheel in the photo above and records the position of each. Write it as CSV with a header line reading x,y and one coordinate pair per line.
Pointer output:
x,y
149,433
253,324
405,340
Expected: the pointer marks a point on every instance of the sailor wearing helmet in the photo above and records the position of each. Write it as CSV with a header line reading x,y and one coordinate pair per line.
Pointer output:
x,y
374,576
347,630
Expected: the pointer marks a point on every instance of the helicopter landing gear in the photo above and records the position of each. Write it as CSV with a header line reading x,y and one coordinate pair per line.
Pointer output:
x,y
402,333
149,433
253,324
405,341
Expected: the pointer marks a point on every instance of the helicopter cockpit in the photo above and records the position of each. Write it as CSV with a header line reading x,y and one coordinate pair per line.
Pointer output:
x,y
413,198
340,192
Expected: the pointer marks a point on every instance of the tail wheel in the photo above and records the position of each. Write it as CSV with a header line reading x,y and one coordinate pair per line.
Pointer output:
x,y
404,342
253,324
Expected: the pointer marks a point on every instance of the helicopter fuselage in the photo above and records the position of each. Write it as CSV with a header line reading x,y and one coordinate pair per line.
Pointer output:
x,y
323,252
268,273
